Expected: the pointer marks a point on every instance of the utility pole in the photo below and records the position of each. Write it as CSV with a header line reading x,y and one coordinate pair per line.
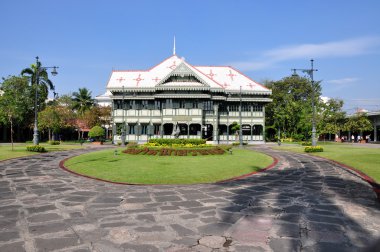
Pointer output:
x,y
240,122
310,72
123,126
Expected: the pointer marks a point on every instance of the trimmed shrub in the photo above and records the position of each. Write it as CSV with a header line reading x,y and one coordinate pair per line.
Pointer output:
x,y
35,148
54,142
313,149
96,132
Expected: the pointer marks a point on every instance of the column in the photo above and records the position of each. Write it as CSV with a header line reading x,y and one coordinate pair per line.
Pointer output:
x,y
252,132
114,132
264,123
228,124
188,130
215,132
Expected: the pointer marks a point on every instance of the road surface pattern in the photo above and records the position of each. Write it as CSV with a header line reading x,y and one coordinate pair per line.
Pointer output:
x,y
302,204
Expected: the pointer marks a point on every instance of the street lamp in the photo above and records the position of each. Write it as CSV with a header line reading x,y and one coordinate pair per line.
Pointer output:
x,y
310,72
241,122
38,69
107,127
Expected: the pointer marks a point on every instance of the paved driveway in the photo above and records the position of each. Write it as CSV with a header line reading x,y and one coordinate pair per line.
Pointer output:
x,y
302,204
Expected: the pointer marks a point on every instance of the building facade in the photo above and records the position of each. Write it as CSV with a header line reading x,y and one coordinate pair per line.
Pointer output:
x,y
375,119
194,101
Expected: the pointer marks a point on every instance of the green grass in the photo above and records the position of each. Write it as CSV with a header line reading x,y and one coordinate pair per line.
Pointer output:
x,y
141,169
362,158
20,149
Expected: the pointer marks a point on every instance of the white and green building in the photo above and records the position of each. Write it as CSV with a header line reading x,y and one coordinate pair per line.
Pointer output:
x,y
198,101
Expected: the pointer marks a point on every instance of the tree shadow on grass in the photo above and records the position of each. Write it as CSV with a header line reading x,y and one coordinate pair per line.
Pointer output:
x,y
311,205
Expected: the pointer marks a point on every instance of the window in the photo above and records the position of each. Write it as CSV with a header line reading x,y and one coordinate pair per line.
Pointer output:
x,y
157,104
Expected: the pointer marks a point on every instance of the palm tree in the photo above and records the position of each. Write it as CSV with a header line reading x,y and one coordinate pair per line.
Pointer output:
x,y
82,101
43,79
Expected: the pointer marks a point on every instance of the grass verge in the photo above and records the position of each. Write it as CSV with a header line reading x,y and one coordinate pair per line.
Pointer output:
x,y
362,158
20,149
142,169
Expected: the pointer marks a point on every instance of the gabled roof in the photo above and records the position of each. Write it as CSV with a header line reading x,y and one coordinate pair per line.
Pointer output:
x,y
215,77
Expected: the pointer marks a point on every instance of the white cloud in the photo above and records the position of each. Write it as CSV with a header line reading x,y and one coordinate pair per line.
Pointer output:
x,y
343,81
343,48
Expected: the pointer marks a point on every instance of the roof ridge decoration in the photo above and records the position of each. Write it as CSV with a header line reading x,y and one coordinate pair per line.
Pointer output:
x,y
183,69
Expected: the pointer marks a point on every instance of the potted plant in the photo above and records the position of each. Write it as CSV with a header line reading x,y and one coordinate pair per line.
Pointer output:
x,y
97,133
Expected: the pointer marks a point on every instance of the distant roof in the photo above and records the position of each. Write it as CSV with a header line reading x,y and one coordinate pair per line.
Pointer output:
x,y
373,113
105,96
218,77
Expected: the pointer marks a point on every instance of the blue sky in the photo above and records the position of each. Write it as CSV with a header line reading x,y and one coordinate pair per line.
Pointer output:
x,y
264,39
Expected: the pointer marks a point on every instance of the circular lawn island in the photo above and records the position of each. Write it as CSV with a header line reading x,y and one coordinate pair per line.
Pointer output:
x,y
150,166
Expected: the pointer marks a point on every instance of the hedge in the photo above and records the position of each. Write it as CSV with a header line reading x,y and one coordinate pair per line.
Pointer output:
x,y
174,152
313,149
36,148
169,142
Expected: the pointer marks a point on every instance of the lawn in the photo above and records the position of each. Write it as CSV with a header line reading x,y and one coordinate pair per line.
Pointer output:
x,y
20,149
362,158
143,169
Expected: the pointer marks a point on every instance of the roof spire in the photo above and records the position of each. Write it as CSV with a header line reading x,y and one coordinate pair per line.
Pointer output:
x,y
174,46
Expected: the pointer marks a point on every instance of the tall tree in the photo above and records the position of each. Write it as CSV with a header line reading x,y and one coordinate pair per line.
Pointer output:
x,y
82,101
44,83
291,109
358,123
15,103
332,117
54,118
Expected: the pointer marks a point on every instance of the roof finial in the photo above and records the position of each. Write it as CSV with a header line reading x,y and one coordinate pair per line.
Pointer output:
x,y
174,46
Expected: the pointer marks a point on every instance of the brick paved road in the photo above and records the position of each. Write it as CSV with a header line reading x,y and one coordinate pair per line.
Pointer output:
x,y
303,204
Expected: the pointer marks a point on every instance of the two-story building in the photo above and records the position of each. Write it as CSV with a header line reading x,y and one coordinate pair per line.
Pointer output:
x,y
198,101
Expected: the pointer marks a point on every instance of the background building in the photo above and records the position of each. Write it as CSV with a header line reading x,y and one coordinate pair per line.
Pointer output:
x,y
198,101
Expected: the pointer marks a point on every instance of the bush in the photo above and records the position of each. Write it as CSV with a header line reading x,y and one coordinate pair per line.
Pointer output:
x,y
306,143
35,148
54,142
313,149
170,142
96,132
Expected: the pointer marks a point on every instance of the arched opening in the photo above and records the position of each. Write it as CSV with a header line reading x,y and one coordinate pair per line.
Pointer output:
x,y
183,129
257,130
207,132
168,128
246,130
195,130
222,129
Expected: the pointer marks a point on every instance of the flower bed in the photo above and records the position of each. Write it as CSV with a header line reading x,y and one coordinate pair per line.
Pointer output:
x,y
174,152
189,143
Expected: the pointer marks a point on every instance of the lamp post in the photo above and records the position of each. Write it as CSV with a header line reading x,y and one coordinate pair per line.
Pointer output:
x,y
38,69
310,72
240,122
123,127
107,127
